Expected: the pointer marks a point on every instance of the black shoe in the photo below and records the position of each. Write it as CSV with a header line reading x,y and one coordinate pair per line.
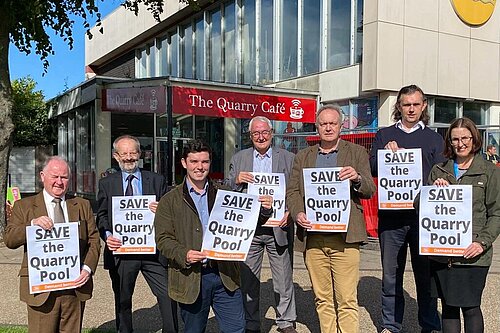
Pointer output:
x,y
252,331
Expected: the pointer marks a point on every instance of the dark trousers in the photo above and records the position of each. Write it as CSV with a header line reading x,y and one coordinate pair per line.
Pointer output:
x,y
395,236
227,306
123,279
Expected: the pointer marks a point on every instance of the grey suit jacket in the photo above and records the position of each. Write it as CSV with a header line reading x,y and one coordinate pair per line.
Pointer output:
x,y
282,161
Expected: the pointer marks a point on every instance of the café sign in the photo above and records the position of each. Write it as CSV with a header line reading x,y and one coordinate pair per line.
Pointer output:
x,y
143,99
217,103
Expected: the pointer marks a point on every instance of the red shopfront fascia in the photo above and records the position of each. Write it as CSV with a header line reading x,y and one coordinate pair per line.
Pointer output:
x,y
218,103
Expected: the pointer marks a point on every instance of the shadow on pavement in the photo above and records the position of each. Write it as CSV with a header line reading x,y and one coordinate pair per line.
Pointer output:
x,y
371,301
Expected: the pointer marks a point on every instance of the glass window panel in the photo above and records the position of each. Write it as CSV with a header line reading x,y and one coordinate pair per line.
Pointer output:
x,y
311,36
187,52
266,42
215,47
211,130
249,45
200,49
230,59
174,54
142,63
163,57
475,112
364,113
445,111
339,33
152,60
288,33
359,32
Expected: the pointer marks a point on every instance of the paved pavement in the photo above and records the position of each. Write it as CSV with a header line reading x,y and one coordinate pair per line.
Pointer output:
x,y
99,310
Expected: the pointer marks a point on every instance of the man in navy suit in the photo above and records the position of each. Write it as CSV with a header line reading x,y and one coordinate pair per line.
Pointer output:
x,y
124,268
277,241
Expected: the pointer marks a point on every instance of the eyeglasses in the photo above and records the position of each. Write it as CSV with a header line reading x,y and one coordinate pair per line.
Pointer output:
x,y
123,155
465,140
257,134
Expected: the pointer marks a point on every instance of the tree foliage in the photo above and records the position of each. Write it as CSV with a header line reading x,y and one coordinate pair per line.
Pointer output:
x,y
30,115
25,24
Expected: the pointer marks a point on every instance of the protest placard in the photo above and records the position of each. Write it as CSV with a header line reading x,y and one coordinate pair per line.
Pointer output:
x,y
327,199
445,220
133,224
231,226
272,184
53,257
399,178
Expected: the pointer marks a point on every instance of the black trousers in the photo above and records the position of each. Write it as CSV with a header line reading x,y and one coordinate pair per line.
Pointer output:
x,y
123,279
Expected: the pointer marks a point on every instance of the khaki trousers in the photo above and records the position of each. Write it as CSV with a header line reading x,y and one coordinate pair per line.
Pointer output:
x,y
333,267
61,313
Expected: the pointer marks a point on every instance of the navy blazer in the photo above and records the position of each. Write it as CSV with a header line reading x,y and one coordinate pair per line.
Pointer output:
x,y
112,185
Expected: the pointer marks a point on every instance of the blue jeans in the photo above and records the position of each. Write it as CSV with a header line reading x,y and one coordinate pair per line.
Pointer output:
x,y
227,305
395,236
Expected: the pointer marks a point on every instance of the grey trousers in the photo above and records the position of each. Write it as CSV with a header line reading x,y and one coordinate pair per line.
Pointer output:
x,y
282,274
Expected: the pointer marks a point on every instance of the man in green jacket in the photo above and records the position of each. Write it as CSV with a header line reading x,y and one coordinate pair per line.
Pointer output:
x,y
196,282
332,258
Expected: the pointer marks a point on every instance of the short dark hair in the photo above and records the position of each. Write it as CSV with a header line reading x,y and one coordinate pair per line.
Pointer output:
x,y
409,90
488,147
196,146
464,122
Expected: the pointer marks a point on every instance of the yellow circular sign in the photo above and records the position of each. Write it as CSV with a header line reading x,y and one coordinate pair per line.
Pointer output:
x,y
474,12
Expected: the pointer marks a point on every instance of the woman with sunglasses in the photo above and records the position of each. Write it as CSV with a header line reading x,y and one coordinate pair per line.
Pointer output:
x,y
459,281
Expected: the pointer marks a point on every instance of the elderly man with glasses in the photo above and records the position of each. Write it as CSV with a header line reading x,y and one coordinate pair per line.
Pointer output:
x,y
277,241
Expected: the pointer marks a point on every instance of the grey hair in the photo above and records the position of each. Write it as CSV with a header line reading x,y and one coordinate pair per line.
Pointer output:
x,y
334,107
130,137
56,158
259,118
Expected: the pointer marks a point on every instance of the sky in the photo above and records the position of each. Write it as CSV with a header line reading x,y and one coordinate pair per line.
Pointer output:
x,y
66,67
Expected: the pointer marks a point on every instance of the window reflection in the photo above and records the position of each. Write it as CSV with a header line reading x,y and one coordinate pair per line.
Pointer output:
x,y
187,52
249,45
230,58
215,47
266,42
200,49
311,36
288,33
339,34
173,52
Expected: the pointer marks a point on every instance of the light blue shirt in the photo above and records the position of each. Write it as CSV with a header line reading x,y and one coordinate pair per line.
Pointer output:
x,y
136,182
263,163
201,202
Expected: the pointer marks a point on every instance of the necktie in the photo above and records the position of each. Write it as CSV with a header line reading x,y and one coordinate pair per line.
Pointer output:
x,y
58,212
129,190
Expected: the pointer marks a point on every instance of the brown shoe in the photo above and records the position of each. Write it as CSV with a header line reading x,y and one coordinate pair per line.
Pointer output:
x,y
288,329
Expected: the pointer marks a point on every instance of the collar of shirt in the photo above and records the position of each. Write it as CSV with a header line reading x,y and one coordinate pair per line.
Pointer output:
x,y
268,154
419,125
191,188
329,151
49,205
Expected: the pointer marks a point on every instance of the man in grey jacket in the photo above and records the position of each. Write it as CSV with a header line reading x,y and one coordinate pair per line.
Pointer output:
x,y
277,241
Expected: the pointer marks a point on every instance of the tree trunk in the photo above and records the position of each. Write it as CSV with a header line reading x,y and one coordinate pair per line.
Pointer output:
x,y
6,125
